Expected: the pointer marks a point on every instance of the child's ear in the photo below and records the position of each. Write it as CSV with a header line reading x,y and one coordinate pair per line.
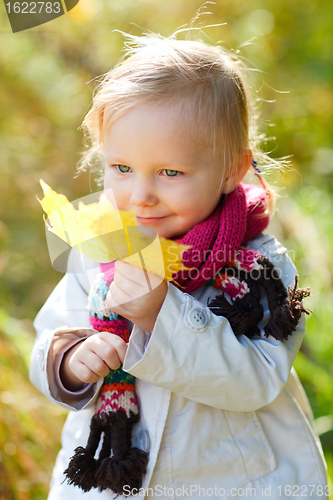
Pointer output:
x,y
235,177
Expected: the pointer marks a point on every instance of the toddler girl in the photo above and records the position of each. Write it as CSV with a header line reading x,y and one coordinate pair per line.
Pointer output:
x,y
217,409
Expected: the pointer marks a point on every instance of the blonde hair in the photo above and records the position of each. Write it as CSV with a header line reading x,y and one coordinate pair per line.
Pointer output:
x,y
206,81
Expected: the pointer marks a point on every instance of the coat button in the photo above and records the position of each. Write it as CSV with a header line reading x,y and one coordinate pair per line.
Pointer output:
x,y
143,441
198,318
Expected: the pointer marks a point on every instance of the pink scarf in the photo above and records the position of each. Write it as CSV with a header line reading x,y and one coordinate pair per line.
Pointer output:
x,y
217,240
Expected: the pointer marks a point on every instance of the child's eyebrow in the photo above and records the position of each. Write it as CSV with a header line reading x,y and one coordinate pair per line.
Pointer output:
x,y
157,163
168,163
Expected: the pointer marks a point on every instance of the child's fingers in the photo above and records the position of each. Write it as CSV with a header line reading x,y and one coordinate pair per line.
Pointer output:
x,y
116,297
136,275
123,289
122,280
89,365
82,370
97,365
111,349
116,344
127,270
97,355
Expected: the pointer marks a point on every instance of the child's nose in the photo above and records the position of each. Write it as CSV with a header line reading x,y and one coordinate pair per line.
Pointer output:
x,y
143,193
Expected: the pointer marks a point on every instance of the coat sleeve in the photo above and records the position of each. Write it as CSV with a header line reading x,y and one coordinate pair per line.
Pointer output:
x,y
209,364
61,323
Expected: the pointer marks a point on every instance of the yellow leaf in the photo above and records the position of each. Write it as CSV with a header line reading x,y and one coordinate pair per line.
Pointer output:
x,y
52,200
105,234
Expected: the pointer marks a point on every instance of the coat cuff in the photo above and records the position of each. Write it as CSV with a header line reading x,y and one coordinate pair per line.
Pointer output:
x,y
62,341
65,394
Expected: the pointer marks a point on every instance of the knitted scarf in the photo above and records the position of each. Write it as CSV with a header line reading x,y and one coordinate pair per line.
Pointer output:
x,y
217,257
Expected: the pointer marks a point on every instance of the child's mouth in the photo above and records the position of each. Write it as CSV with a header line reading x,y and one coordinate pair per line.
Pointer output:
x,y
148,220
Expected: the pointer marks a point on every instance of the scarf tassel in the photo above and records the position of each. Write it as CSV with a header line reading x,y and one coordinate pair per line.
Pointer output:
x,y
287,314
245,313
126,466
285,306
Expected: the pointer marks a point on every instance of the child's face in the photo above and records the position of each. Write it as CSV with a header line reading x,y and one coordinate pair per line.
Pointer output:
x,y
155,166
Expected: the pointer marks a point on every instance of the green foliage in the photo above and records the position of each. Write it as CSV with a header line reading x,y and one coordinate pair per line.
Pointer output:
x,y
45,93
28,442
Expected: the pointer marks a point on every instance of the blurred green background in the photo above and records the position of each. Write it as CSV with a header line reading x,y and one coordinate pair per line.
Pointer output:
x,y
44,94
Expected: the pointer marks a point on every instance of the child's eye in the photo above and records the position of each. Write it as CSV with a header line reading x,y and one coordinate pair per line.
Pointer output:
x,y
171,173
124,169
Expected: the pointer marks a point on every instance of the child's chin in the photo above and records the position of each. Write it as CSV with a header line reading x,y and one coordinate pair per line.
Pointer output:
x,y
152,232
170,235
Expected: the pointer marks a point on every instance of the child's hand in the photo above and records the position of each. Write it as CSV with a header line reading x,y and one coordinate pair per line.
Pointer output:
x,y
130,296
91,359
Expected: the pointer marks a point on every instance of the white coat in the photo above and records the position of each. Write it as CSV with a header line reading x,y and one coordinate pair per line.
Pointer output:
x,y
221,416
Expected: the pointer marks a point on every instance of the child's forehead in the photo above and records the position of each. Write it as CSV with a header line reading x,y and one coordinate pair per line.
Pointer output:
x,y
161,119
164,130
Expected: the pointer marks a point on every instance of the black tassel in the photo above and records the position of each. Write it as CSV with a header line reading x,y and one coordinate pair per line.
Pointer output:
x,y
125,467
116,474
286,315
242,317
82,467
